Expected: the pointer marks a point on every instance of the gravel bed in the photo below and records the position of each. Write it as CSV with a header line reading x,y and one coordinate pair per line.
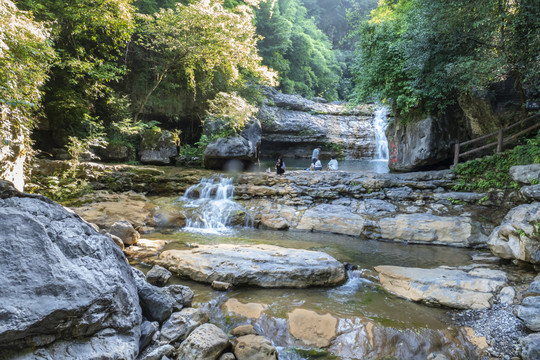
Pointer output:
x,y
501,328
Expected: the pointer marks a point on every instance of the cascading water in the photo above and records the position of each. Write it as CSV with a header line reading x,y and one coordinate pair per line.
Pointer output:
x,y
381,143
209,205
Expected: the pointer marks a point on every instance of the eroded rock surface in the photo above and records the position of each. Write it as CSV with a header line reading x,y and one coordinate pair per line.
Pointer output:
x,y
518,236
311,328
64,287
255,265
457,288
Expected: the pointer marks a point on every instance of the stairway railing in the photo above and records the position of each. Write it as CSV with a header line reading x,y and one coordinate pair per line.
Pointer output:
x,y
501,140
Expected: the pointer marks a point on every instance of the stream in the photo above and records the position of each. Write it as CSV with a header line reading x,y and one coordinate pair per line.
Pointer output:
x,y
372,324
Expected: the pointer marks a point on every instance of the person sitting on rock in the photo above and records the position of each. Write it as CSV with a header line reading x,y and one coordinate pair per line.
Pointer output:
x,y
280,166
317,166
332,164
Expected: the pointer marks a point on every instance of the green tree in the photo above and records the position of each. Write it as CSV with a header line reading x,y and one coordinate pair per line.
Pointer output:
x,y
294,46
206,43
422,55
25,56
90,37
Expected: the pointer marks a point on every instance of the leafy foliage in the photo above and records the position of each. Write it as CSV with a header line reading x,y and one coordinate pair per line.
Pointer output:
x,y
420,55
89,37
25,56
297,49
492,172
225,44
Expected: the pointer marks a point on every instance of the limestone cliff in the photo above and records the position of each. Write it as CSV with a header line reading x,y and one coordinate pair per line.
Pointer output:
x,y
292,126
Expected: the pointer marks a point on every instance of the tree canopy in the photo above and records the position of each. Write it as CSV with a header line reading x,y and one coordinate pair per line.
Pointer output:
x,y
420,55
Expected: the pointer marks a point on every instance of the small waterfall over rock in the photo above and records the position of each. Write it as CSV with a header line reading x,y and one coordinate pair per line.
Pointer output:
x,y
381,144
210,207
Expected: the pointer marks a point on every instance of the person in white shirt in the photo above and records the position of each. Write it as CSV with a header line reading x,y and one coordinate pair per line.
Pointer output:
x,y
332,165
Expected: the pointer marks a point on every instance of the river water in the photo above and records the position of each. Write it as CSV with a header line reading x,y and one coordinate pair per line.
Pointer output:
x,y
372,323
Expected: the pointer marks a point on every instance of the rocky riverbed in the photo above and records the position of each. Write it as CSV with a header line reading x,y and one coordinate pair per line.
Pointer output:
x,y
407,208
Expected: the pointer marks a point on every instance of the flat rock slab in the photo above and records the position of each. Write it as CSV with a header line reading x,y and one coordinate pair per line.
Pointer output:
x,y
455,288
255,265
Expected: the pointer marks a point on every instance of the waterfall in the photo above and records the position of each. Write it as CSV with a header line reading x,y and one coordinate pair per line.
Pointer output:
x,y
210,207
381,144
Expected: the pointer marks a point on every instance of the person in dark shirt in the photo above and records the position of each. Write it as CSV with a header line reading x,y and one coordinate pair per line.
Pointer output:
x,y
280,166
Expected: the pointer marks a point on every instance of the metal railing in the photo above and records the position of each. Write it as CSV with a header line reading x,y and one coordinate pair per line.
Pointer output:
x,y
501,140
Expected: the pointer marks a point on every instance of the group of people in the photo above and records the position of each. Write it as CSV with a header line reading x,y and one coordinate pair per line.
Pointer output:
x,y
316,164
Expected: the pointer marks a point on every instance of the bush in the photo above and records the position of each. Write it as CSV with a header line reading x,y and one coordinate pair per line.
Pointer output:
x,y
492,172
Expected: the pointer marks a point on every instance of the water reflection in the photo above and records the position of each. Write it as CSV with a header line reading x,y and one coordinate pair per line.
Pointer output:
x,y
358,166
372,323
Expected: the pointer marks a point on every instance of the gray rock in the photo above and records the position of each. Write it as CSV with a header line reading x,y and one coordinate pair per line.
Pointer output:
x,y
332,218
158,275
148,329
530,347
254,347
374,207
182,295
156,305
432,229
243,330
106,344
531,192
125,231
62,281
157,353
221,286
157,147
206,342
456,288
467,197
529,312
275,266
534,287
421,143
507,295
518,235
242,149
525,174
181,324
159,303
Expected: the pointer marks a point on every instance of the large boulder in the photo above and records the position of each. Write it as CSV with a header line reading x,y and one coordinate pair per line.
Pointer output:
x,y
456,288
157,147
413,146
243,149
525,174
432,229
65,290
332,218
530,347
254,265
518,236
529,312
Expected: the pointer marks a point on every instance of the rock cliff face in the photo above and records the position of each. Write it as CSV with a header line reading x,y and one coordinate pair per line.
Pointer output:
x,y
292,126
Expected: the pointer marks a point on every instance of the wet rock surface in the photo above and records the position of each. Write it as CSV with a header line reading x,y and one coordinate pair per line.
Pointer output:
x,y
254,265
